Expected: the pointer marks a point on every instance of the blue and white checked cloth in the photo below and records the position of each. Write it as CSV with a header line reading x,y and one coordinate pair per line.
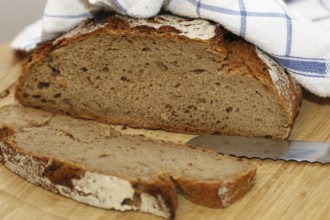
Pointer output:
x,y
296,34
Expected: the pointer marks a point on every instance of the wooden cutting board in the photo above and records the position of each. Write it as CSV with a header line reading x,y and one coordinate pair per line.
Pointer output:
x,y
284,190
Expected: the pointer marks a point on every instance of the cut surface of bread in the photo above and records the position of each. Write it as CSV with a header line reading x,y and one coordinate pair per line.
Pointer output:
x,y
94,164
167,73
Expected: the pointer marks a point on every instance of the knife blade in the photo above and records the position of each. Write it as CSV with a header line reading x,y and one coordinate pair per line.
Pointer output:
x,y
263,148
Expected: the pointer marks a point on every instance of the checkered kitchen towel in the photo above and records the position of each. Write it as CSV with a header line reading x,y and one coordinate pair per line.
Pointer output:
x,y
296,33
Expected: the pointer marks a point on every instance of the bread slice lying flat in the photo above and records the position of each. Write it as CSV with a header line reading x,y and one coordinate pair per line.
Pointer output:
x,y
94,164
164,73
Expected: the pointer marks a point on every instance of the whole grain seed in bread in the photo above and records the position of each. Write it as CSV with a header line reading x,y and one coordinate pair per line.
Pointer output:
x,y
94,164
171,73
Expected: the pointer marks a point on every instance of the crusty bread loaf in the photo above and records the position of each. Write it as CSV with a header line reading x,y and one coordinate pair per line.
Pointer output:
x,y
94,164
164,73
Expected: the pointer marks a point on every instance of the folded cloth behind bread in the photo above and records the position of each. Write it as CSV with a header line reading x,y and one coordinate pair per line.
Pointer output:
x,y
296,34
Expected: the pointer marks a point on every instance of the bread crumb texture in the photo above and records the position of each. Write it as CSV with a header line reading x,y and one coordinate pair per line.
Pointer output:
x,y
94,164
162,73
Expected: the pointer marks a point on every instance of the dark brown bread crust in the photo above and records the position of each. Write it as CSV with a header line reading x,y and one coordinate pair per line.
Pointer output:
x,y
112,25
242,55
199,194
63,173
246,54
54,173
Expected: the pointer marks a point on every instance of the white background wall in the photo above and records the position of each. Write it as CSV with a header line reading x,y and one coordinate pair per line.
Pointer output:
x,y
16,14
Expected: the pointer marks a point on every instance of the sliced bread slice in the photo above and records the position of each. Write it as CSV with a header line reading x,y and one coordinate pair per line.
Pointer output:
x,y
170,73
94,164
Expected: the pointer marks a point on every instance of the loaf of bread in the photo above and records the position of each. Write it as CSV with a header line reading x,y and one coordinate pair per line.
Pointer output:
x,y
94,164
169,73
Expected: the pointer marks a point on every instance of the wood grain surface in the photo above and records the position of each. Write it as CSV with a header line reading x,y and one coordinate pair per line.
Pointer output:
x,y
284,190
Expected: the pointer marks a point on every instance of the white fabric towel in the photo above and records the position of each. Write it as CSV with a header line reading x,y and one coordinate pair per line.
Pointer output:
x,y
296,33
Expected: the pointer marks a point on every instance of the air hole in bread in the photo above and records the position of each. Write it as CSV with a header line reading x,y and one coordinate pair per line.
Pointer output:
x,y
198,71
57,95
161,66
258,93
124,78
103,156
229,109
167,106
145,49
224,127
192,107
36,96
43,85
177,85
106,69
54,71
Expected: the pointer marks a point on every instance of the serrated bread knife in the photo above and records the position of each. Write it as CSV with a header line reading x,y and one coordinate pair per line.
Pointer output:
x,y
263,148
